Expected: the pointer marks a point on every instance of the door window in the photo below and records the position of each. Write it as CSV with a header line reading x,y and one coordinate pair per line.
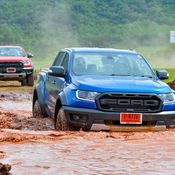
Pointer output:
x,y
65,62
58,59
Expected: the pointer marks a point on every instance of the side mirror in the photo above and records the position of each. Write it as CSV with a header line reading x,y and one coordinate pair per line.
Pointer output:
x,y
56,71
29,55
162,74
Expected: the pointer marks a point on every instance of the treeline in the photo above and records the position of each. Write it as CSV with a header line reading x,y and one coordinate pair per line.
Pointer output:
x,y
111,22
47,25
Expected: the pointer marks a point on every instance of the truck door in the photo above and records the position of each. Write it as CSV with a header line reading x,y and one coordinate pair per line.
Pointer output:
x,y
55,84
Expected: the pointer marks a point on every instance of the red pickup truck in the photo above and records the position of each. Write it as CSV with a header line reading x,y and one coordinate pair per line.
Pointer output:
x,y
16,65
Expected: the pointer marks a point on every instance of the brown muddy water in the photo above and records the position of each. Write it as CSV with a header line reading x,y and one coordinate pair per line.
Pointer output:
x,y
32,147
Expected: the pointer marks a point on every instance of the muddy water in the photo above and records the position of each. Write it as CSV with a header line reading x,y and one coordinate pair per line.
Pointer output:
x,y
16,112
30,150
94,153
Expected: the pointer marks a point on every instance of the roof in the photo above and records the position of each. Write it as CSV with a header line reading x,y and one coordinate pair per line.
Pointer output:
x,y
95,49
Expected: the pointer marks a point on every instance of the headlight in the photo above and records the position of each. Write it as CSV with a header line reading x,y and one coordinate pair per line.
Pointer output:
x,y
86,95
167,98
27,63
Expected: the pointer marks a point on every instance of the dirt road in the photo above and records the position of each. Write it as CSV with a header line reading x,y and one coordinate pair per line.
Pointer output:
x,y
32,147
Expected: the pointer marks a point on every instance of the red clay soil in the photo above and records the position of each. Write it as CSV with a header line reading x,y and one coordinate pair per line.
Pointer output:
x,y
172,84
16,112
31,145
51,152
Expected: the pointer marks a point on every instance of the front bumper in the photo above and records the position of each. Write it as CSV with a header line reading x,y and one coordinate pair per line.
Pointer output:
x,y
19,75
88,117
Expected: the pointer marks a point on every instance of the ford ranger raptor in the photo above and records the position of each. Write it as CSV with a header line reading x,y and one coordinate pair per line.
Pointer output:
x,y
16,65
86,86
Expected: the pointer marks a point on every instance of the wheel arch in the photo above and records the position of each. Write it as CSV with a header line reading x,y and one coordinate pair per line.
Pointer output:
x,y
57,108
35,97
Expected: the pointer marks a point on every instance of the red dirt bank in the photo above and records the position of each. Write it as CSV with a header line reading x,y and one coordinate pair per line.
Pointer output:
x,y
27,148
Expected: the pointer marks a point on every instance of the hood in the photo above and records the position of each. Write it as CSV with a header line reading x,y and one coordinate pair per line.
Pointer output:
x,y
13,58
120,84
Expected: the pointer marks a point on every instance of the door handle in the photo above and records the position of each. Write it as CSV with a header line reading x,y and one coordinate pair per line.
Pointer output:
x,y
53,82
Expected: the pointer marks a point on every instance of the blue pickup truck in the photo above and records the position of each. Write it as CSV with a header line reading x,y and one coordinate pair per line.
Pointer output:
x,y
86,86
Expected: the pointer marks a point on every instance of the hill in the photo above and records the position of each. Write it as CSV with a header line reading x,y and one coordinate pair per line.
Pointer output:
x,y
44,27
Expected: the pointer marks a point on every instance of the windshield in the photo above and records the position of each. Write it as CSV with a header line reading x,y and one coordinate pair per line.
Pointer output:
x,y
118,64
11,51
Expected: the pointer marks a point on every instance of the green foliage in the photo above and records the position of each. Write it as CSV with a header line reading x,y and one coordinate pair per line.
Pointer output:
x,y
45,26
171,75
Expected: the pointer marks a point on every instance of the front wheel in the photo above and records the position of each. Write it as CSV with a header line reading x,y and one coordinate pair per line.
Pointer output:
x,y
37,112
30,80
61,123
24,82
170,124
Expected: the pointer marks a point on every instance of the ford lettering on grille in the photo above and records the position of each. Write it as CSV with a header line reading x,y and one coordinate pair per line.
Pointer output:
x,y
129,102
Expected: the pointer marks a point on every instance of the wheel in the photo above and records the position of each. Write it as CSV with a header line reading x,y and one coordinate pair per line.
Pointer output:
x,y
170,124
24,82
61,123
37,112
30,80
58,123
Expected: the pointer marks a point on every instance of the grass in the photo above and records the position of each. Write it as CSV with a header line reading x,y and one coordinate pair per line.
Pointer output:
x,y
41,63
13,86
171,75
160,57
16,86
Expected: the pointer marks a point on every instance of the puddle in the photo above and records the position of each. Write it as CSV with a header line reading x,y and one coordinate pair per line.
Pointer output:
x,y
31,146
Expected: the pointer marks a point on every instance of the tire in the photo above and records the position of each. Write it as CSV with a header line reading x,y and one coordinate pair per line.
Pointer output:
x,y
58,123
61,123
170,124
24,82
37,112
30,80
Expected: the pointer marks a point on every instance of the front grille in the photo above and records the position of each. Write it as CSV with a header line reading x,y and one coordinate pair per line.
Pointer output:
x,y
5,65
129,102
11,64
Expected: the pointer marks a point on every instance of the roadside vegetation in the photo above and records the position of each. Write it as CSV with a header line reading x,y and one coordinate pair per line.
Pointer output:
x,y
43,27
171,73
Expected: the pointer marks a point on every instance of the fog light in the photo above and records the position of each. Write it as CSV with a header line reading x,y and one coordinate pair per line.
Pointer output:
x,y
159,123
76,117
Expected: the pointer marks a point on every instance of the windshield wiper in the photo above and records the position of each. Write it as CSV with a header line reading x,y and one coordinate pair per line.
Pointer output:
x,y
120,75
146,76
